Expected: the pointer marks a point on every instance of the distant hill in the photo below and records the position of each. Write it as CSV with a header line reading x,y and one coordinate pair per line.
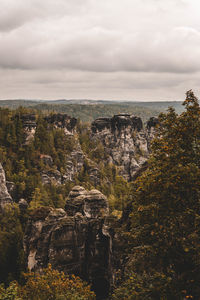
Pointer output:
x,y
89,110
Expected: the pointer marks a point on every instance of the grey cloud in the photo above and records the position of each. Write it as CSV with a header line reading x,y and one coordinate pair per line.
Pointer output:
x,y
94,48
16,13
101,50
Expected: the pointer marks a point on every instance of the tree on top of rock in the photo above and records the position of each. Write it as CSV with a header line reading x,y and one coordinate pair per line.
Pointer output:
x,y
165,230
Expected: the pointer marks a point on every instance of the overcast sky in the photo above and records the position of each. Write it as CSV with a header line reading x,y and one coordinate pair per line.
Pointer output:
x,y
99,49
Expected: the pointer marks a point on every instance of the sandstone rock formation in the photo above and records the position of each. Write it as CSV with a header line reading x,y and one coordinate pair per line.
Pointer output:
x,y
5,197
62,121
57,120
125,141
75,240
51,177
29,125
23,205
75,161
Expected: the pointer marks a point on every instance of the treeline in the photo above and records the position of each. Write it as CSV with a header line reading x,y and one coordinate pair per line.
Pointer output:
x,y
90,112
93,110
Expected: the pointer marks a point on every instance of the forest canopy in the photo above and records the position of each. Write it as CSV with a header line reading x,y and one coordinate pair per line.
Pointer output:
x,y
164,237
159,232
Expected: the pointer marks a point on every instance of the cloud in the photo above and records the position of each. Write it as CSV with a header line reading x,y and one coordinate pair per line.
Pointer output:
x,y
93,45
16,13
101,50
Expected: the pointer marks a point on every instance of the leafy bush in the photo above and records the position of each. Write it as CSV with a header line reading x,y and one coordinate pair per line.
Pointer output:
x,y
51,285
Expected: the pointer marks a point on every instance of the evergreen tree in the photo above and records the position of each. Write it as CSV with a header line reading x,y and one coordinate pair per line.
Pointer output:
x,y
11,248
165,219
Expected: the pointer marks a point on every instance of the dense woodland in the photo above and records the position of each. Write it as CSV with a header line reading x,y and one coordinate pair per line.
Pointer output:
x,y
160,231
87,111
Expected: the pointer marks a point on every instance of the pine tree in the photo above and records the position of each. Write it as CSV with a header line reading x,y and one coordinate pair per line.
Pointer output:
x,y
165,230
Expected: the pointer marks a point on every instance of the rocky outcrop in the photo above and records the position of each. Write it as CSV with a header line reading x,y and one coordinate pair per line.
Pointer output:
x,y
23,205
74,164
126,143
125,140
51,177
92,204
11,187
57,120
75,240
77,161
29,125
47,160
62,121
94,173
5,197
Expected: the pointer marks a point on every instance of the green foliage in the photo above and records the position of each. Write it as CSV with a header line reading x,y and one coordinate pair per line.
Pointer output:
x,y
165,219
94,149
39,199
55,285
11,248
11,293
144,287
87,112
51,285
23,162
115,187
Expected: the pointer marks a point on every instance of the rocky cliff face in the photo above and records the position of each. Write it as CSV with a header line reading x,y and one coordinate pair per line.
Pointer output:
x,y
5,197
75,161
57,120
29,125
75,240
62,121
125,141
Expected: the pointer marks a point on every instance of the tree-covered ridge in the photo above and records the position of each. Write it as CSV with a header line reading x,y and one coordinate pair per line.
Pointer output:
x,y
24,162
88,111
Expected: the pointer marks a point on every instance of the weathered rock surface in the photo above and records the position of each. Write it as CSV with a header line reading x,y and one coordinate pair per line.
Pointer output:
x,y
23,205
74,163
62,121
5,197
47,160
11,188
75,240
126,142
92,204
51,177
57,120
94,174
29,125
